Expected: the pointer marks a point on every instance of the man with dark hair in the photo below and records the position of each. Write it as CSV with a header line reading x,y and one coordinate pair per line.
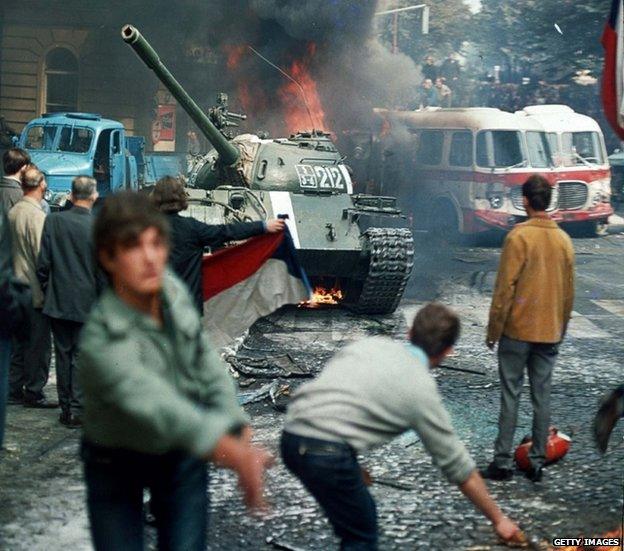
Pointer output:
x,y
158,401
529,315
190,237
14,162
67,273
370,392
30,361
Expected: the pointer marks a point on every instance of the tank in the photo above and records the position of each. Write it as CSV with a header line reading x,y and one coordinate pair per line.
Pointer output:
x,y
359,245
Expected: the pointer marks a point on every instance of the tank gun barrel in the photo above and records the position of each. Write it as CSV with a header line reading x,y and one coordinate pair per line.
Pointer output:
x,y
228,153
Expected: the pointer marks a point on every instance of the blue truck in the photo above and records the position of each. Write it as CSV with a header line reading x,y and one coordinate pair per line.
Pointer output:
x,y
65,145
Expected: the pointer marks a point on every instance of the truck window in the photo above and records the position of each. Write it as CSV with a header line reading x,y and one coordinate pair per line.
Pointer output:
x,y
461,149
430,150
539,149
499,149
40,137
116,145
580,148
75,140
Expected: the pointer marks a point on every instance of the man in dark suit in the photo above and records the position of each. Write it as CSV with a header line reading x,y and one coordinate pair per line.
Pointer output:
x,y
14,301
14,162
68,275
189,237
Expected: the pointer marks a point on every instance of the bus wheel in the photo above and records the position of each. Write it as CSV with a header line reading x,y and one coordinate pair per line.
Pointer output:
x,y
443,222
592,228
599,228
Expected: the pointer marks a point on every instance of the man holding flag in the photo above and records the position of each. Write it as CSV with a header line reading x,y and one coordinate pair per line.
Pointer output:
x,y
190,237
235,286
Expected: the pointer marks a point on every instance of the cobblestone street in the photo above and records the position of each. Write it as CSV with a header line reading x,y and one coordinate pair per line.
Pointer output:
x,y
42,491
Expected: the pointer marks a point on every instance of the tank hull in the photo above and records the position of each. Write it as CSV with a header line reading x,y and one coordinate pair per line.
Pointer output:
x,y
338,244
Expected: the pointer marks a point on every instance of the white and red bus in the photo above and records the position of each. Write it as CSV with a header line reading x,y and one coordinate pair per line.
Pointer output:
x,y
580,158
461,170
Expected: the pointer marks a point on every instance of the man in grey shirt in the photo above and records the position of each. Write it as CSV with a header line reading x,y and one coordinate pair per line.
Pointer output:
x,y
370,392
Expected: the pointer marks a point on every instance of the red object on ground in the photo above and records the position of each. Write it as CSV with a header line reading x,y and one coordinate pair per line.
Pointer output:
x,y
557,446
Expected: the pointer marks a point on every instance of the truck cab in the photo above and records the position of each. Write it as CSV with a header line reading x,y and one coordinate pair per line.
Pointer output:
x,y
65,145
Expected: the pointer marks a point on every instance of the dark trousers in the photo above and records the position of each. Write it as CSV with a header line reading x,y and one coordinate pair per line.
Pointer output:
x,y
30,361
331,473
66,335
115,481
539,360
5,362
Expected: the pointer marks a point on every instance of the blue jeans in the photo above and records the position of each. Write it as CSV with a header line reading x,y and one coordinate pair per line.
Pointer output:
x,y
5,362
331,473
115,481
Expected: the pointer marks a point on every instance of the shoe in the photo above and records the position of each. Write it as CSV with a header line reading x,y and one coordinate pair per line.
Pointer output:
x,y
493,472
534,474
41,403
69,420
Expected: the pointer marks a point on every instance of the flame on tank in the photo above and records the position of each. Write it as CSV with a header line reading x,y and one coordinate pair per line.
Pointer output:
x,y
296,115
323,297
299,107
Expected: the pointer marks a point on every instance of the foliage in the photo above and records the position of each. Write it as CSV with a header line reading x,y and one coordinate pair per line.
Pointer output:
x,y
521,37
548,38
448,22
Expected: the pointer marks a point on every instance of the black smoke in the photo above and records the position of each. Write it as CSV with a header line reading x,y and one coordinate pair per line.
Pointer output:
x,y
354,72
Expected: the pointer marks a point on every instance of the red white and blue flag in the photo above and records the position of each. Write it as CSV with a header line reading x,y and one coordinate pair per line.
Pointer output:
x,y
613,75
246,282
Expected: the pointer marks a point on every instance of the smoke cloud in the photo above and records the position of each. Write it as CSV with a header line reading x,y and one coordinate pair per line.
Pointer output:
x,y
205,44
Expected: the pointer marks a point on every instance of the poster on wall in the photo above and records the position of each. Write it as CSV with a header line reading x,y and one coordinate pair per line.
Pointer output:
x,y
163,128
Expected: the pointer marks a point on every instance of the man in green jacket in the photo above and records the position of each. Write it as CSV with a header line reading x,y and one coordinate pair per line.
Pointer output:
x,y
158,402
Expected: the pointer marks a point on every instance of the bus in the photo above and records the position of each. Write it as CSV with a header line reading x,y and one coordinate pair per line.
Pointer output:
x,y
460,171
580,158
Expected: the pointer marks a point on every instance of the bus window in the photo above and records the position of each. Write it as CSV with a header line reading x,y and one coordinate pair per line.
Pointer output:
x,y
581,148
430,150
461,149
499,149
539,149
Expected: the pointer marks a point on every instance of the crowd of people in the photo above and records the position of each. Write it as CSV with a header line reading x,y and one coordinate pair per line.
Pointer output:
x,y
448,84
119,293
437,81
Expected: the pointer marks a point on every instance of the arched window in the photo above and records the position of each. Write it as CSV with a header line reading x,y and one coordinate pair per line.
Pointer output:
x,y
61,81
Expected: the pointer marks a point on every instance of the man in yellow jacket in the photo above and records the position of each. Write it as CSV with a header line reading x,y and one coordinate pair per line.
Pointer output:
x,y
529,315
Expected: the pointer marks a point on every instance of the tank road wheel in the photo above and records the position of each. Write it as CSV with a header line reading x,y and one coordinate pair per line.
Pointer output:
x,y
390,253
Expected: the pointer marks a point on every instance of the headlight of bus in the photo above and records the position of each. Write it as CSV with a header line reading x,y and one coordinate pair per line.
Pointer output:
x,y
495,194
496,201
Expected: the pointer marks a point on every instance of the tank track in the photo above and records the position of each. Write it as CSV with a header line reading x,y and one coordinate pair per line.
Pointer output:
x,y
391,260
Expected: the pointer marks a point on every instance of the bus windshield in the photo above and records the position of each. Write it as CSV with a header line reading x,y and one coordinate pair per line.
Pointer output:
x,y
500,149
581,148
540,155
